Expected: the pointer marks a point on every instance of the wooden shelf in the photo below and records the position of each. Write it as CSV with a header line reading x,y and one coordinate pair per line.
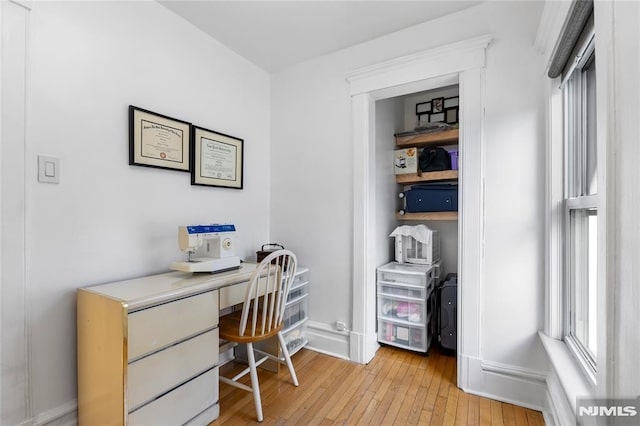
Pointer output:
x,y
445,137
426,177
428,216
420,140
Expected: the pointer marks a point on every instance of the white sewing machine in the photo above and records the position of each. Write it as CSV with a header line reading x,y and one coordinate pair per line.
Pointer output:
x,y
210,248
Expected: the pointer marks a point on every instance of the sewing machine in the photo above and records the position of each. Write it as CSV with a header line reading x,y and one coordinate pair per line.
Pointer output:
x,y
210,248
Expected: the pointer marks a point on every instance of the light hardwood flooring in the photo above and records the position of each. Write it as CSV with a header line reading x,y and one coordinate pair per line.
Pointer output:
x,y
397,387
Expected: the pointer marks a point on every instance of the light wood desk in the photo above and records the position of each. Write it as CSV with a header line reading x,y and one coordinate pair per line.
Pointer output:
x,y
148,347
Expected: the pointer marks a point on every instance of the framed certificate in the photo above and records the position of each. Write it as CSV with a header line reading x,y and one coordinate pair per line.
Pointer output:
x,y
216,158
156,140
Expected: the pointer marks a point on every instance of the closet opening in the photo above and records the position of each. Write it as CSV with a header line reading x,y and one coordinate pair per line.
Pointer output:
x,y
460,64
416,193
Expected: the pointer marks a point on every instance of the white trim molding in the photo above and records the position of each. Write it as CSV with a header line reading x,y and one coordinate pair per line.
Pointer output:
x,y
462,63
506,383
565,382
419,66
326,339
64,415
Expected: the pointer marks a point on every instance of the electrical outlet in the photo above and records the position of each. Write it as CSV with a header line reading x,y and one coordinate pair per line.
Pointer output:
x,y
340,326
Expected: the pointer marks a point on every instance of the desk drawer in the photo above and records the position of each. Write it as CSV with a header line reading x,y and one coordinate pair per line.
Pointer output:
x,y
235,294
232,295
156,327
155,374
181,404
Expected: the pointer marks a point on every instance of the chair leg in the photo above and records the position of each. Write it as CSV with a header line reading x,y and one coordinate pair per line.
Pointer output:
x,y
254,381
287,358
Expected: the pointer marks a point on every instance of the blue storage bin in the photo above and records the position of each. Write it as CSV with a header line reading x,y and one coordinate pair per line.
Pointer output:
x,y
432,198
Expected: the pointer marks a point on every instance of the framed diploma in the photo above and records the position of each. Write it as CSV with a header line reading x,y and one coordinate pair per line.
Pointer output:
x,y
216,158
159,141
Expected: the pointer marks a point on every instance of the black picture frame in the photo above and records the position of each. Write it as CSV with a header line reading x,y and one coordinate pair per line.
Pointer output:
x,y
423,108
451,102
217,159
451,115
159,141
437,105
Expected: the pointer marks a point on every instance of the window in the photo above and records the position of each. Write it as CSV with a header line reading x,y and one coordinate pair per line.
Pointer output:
x,y
581,203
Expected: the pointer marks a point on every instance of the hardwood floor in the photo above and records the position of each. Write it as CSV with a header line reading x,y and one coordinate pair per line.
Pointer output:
x,y
396,388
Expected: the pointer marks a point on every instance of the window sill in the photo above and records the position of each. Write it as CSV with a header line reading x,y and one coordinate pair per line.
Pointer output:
x,y
573,382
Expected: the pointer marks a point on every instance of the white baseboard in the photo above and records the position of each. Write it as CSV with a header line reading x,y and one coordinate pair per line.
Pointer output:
x,y
325,339
64,415
506,383
559,410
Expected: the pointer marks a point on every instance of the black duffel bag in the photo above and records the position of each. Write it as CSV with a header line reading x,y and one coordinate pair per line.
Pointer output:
x,y
434,159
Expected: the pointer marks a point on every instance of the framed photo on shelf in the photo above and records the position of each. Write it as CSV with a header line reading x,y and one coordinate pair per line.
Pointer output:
x,y
437,105
216,159
423,107
450,102
451,115
156,140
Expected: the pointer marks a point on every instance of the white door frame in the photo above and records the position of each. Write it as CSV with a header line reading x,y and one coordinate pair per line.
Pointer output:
x,y
463,63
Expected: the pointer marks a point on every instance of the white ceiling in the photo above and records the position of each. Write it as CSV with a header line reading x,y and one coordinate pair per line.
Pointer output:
x,y
277,34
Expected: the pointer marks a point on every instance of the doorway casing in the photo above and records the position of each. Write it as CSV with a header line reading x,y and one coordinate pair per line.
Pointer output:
x,y
459,63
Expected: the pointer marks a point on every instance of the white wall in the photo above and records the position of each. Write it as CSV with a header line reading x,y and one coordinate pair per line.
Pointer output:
x,y
311,160
107,220
311,111
389,116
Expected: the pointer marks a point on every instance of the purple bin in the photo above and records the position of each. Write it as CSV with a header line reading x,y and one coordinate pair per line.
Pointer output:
x,y
454,159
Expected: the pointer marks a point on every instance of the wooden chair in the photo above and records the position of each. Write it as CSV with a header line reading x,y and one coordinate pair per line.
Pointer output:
x,y
261,317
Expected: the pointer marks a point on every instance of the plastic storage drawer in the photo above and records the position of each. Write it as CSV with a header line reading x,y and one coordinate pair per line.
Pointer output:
x,y
396,289
405,273
295,312
298,292
301,278
404,334
295,338
404,308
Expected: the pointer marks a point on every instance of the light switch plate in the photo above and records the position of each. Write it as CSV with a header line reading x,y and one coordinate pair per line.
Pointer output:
x,y
48,169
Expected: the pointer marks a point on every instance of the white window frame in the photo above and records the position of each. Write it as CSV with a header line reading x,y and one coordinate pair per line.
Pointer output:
x,y
575,197
568,379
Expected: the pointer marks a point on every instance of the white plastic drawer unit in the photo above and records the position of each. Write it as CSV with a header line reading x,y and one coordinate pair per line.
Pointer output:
x,y
404,334
406,274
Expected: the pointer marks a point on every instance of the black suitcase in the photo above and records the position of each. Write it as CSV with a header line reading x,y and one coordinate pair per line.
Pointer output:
x,y
448,314
432,198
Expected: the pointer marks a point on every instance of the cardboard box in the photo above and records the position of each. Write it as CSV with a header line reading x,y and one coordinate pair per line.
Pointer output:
x,y
405,161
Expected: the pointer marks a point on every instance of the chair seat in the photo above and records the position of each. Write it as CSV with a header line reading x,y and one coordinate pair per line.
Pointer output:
x,y
230,325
